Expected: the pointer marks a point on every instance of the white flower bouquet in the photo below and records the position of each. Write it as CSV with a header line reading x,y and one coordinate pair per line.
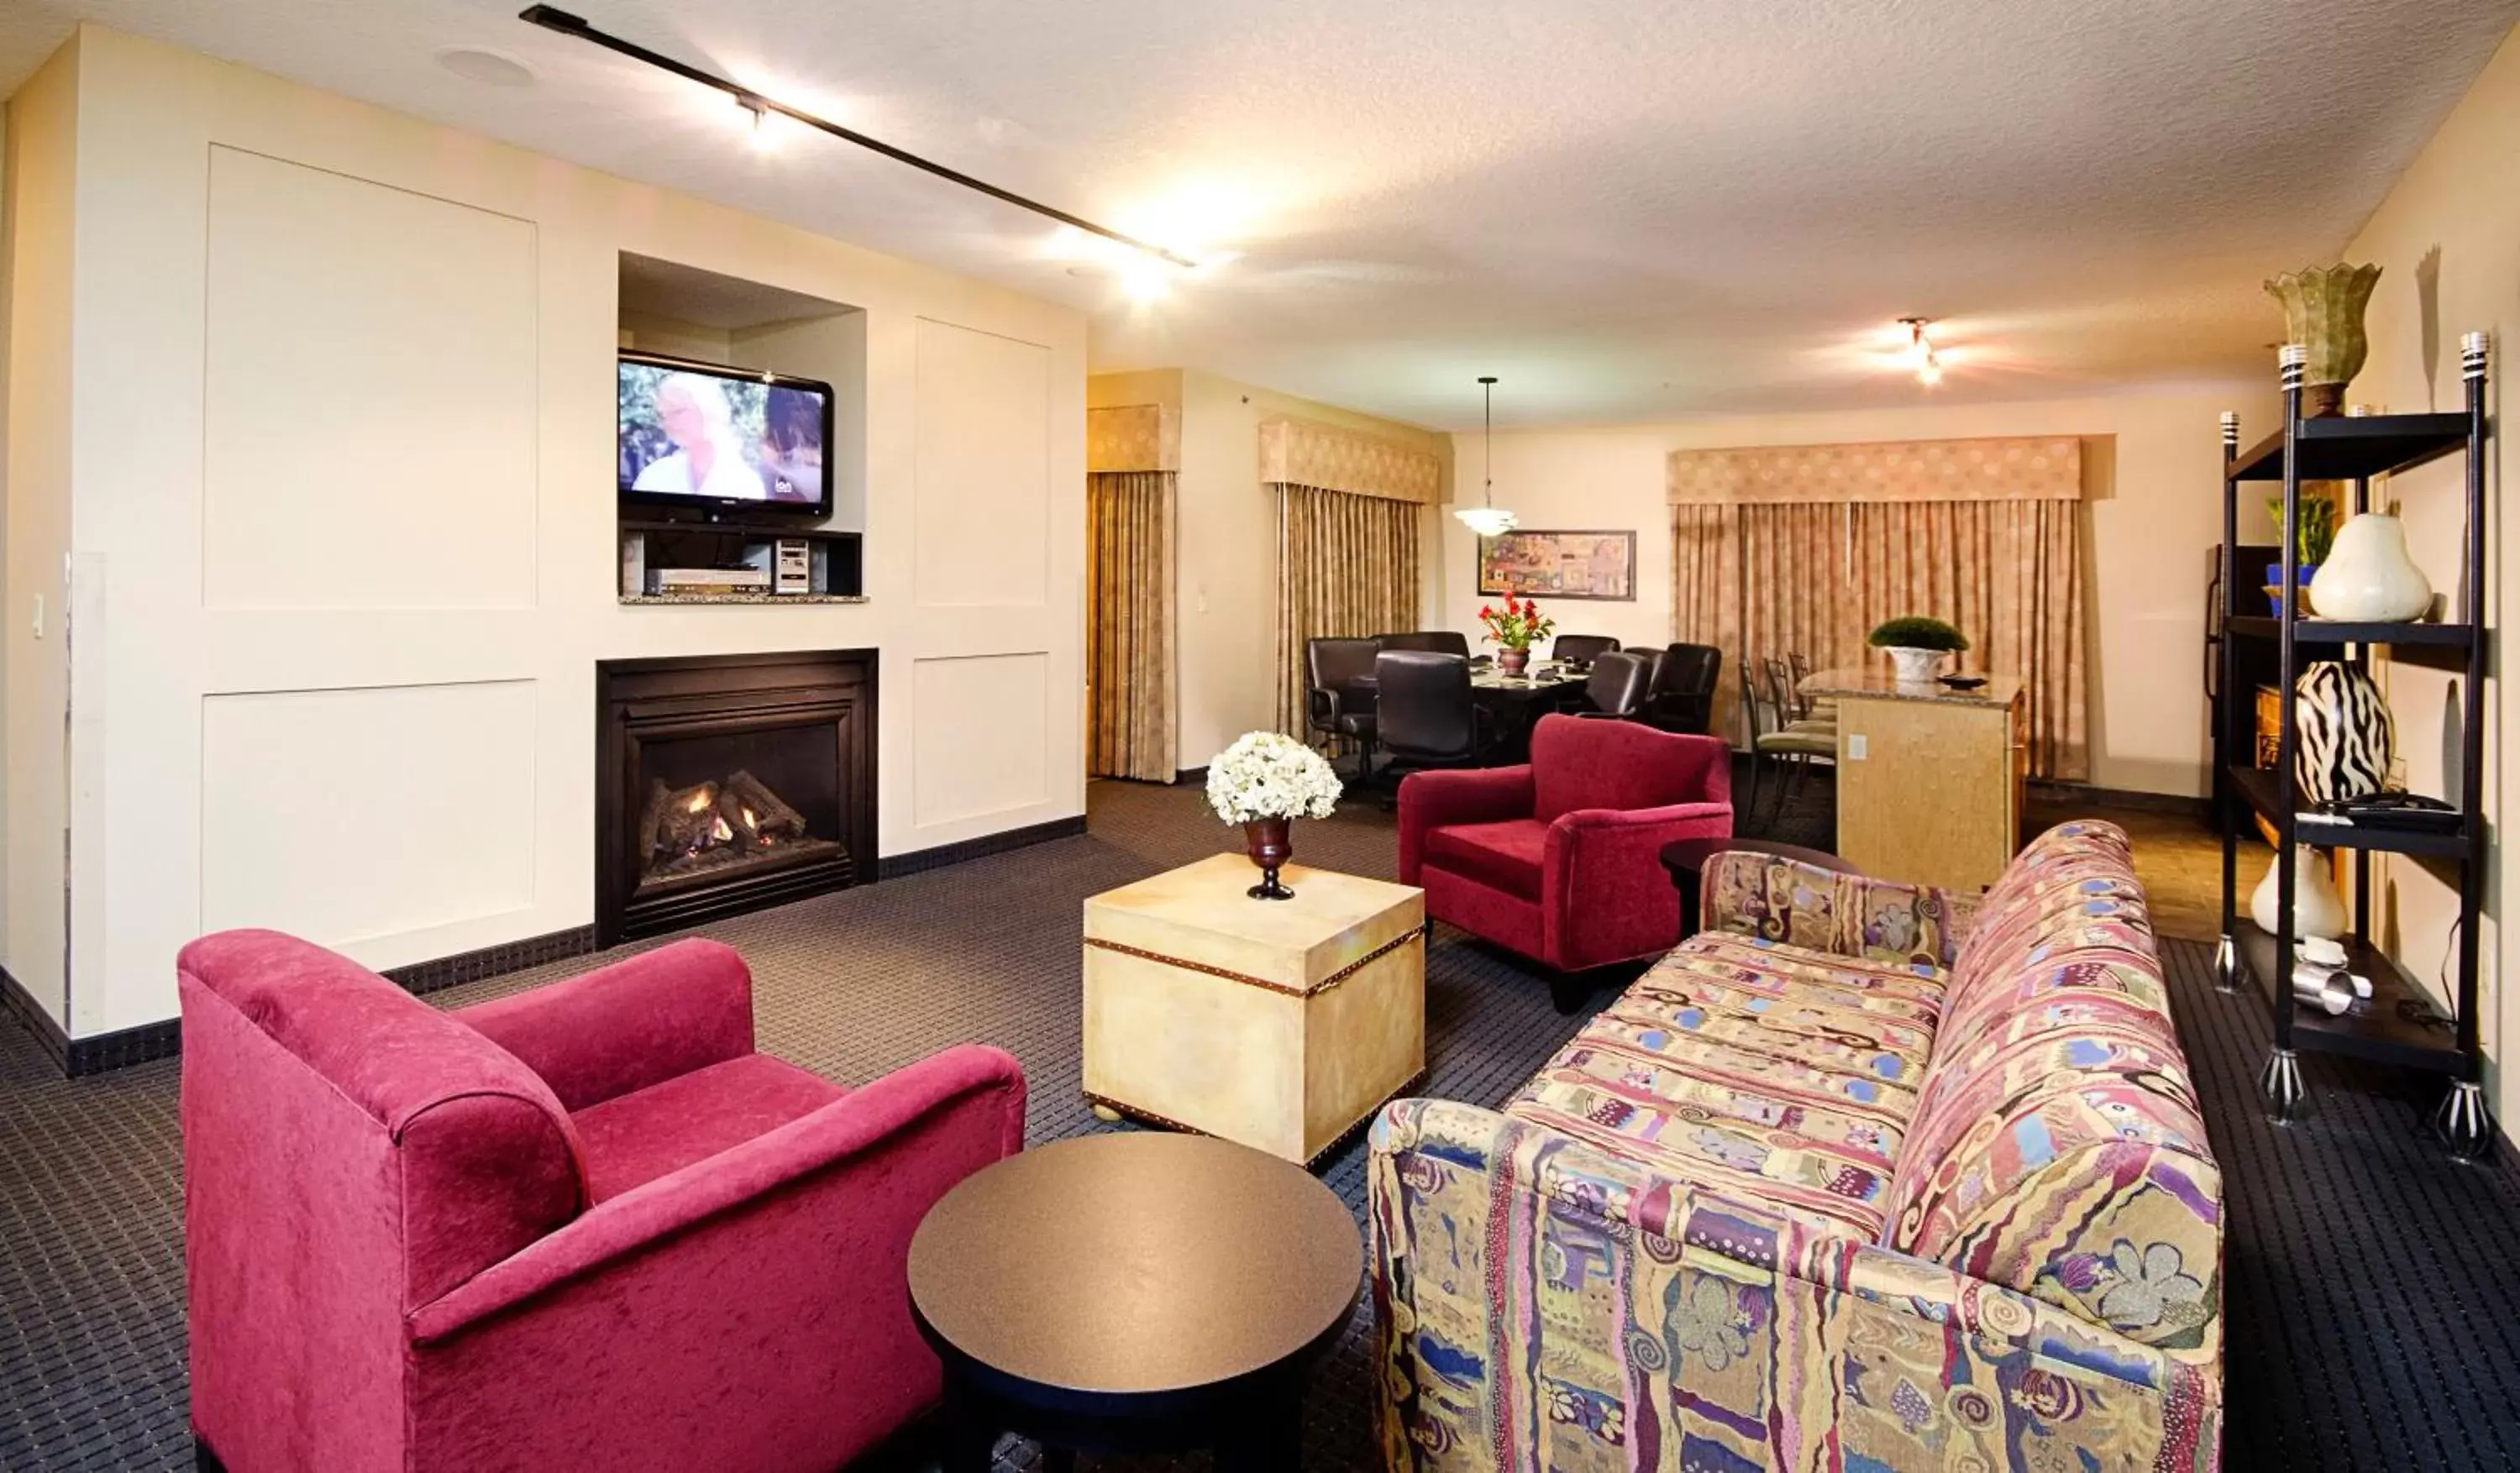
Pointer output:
x,y
1269,775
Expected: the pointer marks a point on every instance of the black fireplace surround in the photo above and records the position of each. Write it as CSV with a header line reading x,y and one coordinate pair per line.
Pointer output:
x,y
729,782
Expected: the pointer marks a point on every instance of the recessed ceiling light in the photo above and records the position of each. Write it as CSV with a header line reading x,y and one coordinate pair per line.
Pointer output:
x,y
479,63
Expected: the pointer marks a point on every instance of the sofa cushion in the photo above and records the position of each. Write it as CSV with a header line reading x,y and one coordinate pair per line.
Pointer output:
x,y
1503,856
2058,1147
636,1137
1766,1072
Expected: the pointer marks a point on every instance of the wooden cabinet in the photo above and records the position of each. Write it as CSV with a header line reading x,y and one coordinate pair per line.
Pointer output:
x,y
1931,782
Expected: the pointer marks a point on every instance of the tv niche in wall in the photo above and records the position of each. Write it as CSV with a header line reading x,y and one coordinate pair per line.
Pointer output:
x,y
741,440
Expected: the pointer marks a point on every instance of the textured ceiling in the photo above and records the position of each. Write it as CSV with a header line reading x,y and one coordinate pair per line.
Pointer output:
x,y
1628,212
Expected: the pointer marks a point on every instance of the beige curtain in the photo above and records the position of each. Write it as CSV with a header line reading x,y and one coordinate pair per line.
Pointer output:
x,y
1761,580
1758,581
1129,635
2010,574
1347,567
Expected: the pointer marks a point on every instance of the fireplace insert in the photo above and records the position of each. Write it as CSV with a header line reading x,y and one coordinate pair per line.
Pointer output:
x,y
729,782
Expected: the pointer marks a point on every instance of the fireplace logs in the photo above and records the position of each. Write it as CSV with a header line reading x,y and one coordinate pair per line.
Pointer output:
x,y
713,824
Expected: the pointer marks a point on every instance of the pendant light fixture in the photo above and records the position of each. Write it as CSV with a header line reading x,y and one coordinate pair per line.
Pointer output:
x,y
1487,518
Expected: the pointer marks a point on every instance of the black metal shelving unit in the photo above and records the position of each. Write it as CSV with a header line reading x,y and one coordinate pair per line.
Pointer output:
x,y
2399,1024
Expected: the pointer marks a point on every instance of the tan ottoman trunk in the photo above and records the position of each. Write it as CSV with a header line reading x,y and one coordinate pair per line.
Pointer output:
x,y
1279,1024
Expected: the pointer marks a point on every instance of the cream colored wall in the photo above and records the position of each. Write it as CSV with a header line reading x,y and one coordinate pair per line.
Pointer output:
x,y
2154,467
331,684
2447,242
676,339
1228,548
37,245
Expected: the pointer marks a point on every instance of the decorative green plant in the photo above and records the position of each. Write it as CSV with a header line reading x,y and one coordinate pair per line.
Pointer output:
x,y
2313,527
1916,632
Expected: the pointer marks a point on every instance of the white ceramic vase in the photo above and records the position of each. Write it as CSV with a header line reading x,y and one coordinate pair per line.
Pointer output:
x,y
2316,909
2368,574
1916,667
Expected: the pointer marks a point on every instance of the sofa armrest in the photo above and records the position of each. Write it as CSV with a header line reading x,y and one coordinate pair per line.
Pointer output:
x,y
1469,795
1782,899
973,1092
1630,1292
654,1017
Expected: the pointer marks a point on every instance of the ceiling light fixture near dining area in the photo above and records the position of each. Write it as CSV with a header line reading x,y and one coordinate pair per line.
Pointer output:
x,y
1487,518
1921,354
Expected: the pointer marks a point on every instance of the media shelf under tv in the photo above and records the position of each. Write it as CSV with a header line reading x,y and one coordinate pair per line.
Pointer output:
x,y
837,573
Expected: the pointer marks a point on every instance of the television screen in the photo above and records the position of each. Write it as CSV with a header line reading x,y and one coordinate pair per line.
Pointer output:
x,y
697,434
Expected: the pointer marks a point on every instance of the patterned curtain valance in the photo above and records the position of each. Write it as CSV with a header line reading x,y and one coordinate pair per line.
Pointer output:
x,y
1133,438
2027,468
1303,453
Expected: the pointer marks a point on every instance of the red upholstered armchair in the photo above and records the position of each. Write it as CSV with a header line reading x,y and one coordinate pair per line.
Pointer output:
x,y
1558,859
586,1226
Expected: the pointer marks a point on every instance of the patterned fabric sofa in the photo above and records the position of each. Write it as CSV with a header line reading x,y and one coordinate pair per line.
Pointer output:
x,y
1867,1177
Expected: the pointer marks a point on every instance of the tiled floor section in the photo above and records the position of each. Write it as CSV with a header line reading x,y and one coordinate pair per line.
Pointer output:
x,y
2374,1291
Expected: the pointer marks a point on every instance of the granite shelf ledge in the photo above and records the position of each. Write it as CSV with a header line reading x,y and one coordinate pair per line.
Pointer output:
x,y
649,600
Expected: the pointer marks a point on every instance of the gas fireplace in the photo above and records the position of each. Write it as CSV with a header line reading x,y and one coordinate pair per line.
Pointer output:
x,y
725,783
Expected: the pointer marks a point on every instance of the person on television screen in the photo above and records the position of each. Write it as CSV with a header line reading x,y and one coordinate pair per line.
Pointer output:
x,y
791,446
708,455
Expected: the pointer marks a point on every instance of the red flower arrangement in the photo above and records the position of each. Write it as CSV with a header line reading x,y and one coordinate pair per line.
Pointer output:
x,y
1517,625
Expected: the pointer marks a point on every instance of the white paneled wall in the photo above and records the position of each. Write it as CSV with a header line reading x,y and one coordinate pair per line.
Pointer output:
x,y
343,526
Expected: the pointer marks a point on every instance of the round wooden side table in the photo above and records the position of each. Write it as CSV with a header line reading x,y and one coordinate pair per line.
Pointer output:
x,y
1133,1292
1684,858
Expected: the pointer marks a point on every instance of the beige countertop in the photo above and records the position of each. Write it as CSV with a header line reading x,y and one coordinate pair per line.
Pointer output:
x,y
1873,682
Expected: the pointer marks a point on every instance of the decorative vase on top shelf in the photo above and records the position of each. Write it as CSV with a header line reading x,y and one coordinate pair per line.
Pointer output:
x,y
2368,576
2316,909
1263,782
2322,307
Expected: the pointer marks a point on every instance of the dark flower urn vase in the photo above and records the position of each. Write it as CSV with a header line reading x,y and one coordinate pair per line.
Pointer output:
x,y
1513,661
1268,843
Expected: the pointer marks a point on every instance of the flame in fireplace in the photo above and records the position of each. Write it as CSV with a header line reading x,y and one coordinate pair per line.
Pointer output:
x,y
701,798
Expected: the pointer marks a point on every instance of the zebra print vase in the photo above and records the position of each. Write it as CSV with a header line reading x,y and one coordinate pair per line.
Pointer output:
x,y
2347,738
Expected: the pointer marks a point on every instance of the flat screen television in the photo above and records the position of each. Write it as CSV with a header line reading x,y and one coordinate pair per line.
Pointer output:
x,y
706,437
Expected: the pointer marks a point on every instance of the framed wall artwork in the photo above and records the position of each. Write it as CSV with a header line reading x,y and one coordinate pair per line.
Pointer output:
x,y
1559,565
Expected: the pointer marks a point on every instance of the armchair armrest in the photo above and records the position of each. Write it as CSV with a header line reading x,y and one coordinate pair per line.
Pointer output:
x,y
1469,795
619,1028
1660,1289
1604,893
975,1092
1778,898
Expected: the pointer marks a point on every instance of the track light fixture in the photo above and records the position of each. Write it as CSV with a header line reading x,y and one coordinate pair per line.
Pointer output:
x,y
761,108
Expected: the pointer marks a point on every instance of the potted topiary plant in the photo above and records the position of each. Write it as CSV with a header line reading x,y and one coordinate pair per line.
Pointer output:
x,y
1917,646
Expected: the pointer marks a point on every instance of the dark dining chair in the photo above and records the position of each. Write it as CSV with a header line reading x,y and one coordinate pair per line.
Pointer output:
x,y
1340,699
1430,641
1581,649
1616,689
1425,715
1681,696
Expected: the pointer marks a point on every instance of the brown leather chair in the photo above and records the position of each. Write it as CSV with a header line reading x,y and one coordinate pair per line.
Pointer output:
x,y
1581,649
1423,712
1680,698
1435,641
1340,699
1616,690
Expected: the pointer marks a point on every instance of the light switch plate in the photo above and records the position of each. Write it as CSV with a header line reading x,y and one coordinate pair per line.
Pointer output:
x,y
1855,747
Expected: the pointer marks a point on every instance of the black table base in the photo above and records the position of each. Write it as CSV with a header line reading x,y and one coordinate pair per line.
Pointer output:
x,y
1253,1424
